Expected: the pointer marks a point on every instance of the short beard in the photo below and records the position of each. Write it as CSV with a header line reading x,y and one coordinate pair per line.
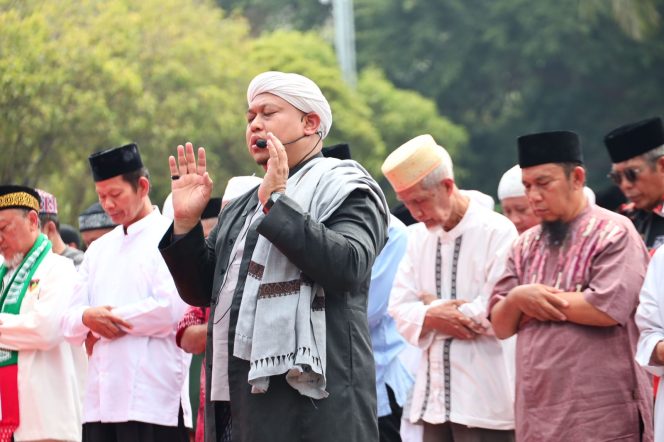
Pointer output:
x,y
15,261
555,232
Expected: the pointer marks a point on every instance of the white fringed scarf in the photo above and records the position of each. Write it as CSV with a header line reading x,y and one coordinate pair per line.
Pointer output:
x,y
281,323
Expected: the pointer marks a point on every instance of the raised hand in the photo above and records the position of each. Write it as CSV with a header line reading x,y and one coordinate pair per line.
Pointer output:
x,y
276,175
191,186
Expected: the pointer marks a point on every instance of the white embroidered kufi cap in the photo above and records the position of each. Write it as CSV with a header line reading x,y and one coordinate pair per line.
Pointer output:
x,y
510,185
298,90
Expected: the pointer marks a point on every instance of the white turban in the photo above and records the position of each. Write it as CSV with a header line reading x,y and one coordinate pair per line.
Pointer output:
x,y
299,91
510,185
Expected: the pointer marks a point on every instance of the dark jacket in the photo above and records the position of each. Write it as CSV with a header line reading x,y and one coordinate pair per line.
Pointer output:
x,y
338,254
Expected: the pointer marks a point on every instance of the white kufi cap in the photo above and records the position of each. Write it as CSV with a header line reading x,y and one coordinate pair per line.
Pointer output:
x,y
510,185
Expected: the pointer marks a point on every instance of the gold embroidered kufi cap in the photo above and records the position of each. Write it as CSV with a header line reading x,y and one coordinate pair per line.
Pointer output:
x,y
18,197
412,161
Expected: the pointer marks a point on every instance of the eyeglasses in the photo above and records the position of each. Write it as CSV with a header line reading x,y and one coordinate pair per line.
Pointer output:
x,y
631,174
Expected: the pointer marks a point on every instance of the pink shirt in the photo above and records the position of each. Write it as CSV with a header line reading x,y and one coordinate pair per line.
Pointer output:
x,y
577,382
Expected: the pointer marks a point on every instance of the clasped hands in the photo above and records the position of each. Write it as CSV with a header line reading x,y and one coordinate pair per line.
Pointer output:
x,y
538,301
103,323
445,318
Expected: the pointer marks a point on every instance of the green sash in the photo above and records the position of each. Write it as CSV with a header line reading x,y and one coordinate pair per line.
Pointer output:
x,y
12,295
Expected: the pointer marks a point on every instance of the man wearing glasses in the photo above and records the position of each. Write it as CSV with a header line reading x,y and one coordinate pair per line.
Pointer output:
x,y
637,153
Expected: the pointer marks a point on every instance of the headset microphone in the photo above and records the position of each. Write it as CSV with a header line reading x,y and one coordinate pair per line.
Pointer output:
x,y
262,143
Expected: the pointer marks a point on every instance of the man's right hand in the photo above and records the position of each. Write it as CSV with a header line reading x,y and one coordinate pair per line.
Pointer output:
x,y
101,321
191,186
447,319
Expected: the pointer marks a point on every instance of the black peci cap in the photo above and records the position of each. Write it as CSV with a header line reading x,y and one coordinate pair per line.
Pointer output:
x,y
116,161
549,147
634,139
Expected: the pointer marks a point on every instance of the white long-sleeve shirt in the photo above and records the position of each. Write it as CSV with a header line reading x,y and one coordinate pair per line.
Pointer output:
x,y
469,382
50,371
139,376
650,320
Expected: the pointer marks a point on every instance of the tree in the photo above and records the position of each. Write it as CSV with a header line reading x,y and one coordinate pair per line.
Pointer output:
x,y
71,87
83,76
271,15
505,67
509,67
400,115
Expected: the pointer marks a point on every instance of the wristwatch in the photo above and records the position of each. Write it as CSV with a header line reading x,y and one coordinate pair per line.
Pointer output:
x,y
274,196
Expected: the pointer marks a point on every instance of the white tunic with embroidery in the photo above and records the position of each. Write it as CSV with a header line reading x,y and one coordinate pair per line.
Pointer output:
x,y
469,382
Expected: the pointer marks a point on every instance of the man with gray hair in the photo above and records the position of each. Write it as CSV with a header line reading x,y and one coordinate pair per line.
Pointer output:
x,y
637,153
285,273
464,388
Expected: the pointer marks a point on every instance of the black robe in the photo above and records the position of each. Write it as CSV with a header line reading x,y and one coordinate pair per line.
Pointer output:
x,y
650,226
337,254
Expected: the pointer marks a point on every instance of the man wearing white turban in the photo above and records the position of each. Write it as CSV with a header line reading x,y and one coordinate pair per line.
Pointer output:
x,y
286,274
515,205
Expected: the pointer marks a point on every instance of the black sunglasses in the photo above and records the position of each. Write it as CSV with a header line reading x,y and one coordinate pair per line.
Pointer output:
x,y
631,174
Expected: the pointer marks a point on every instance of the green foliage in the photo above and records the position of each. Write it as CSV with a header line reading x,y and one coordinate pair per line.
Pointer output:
x,y
638,19
80,76
508,67
374,119
401,115
270,15
502,68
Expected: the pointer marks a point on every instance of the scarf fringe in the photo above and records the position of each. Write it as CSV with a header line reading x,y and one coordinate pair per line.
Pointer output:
x,y
286,358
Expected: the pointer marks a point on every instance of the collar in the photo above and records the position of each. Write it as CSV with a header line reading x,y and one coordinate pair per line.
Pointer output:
x,y
628,209
294,170
659,209
464,223
140,225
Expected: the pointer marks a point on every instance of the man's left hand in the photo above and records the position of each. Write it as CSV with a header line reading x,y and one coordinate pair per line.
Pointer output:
x,y
276,175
